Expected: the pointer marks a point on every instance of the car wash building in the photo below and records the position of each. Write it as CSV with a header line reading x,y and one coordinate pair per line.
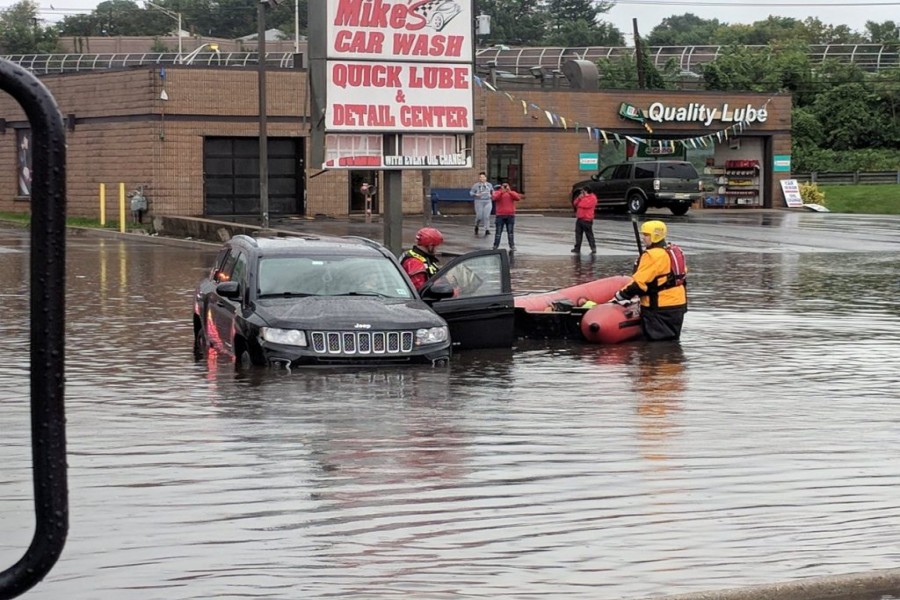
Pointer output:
x,y
188,135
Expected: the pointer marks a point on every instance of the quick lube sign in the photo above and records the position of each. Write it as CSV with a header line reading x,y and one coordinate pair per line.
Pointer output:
x,y
659,112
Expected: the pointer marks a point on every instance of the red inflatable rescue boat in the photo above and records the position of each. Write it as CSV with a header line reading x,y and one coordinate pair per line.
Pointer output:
x,y
611,323
561,314
599,291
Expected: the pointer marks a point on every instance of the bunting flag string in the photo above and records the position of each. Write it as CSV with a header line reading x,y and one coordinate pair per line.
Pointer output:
x,y
598,133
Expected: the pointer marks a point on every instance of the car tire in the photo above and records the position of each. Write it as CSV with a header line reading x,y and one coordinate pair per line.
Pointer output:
x,y
242,359
201,346
245,357
637,204
680,209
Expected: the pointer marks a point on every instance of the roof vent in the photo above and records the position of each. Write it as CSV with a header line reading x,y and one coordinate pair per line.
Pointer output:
x,y
582,74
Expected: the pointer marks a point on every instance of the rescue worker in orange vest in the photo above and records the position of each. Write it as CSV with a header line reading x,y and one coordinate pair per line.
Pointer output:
x,y
663,297
420,261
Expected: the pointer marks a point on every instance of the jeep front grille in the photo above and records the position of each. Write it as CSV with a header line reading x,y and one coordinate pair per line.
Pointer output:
x,y
358,343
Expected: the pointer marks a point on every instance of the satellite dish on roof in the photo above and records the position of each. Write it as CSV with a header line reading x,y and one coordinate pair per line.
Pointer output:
x,y
582,74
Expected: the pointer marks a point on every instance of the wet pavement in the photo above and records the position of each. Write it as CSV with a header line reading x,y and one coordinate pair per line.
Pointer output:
x,y
760,449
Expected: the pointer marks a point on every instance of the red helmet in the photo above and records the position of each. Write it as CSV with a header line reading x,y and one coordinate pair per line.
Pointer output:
x,y
429,236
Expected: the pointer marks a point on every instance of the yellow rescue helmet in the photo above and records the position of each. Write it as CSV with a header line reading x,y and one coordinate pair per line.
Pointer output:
x,y
655,229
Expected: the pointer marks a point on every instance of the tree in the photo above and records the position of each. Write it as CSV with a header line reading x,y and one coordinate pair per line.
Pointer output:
x,y
883,33
852,115
684,30
574,23
21,32
118,17
519,22
581,33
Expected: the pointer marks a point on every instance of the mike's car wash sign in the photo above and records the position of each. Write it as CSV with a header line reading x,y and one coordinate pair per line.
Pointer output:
x,y
396,65
401,66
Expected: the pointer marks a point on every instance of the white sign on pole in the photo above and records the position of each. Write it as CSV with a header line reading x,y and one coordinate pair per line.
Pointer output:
x,y
436,30
366,96
791,190
399,67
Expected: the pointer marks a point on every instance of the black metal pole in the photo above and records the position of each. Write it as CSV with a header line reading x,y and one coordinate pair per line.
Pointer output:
x,y
263,124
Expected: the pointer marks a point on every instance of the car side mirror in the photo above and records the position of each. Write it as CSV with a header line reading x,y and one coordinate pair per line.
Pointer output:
x,y
229,289
596,177
438,291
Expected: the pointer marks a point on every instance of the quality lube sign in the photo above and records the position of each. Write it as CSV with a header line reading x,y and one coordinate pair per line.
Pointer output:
x,y
661,113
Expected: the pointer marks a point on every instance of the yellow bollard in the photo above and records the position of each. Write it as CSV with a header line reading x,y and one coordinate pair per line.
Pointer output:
x,y
102,205
121,208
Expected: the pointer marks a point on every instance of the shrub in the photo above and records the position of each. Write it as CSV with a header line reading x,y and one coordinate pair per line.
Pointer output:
x,y
811,194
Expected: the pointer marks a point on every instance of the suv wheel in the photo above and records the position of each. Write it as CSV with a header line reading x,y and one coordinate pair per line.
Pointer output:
x,y
679,209
201,347
637,205
244,356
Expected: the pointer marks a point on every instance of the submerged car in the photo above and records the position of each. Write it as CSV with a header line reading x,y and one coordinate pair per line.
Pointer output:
x,y
317,300
638,185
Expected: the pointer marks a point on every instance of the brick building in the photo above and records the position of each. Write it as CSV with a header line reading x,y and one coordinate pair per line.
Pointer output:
x,y
190,136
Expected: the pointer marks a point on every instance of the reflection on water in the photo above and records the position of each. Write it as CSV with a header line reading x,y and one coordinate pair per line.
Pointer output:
x,y
759,448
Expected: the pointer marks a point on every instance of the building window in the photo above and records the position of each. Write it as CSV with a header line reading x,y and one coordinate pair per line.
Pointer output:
x,y
505,164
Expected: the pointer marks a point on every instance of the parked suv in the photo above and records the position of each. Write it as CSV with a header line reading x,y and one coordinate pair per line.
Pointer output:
x,y
291,301
639,185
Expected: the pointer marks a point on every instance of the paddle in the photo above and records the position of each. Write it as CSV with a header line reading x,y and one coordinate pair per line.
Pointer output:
x,y
637,237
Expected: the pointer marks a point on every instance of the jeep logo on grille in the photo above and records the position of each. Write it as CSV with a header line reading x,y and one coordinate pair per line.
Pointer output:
x,y
362,326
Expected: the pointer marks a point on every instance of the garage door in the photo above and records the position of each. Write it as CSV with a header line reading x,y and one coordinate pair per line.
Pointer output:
x,y
231,176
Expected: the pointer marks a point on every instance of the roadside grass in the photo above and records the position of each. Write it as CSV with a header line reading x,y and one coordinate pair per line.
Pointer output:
x,y
25,219
869,199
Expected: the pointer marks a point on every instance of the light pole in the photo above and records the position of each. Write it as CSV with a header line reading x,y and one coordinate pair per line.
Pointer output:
x,y
263,133
174,15
189,59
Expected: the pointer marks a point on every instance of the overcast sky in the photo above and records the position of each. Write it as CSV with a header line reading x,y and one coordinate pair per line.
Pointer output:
x,y
650,13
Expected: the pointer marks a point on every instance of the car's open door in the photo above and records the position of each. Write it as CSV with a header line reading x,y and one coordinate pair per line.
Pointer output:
x,y
480,311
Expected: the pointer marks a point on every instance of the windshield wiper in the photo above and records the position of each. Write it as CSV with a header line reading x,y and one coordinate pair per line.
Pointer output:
x,y
286,295
376,294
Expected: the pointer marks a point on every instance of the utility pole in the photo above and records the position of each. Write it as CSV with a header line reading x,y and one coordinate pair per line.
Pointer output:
x,y
263,133
174,15
639,56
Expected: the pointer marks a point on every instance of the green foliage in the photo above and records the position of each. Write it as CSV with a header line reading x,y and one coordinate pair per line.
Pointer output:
x,y
811,194
881,199
21,32
683,30
806,130
223,18
848,112
822,160
622,73
883,33
159,46
519,22
582,33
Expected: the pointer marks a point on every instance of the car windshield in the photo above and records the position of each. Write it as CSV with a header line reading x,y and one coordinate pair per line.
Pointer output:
x,y
290,276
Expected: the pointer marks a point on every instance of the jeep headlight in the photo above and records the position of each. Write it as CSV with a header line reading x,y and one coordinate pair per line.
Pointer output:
x,y
285,337
432,335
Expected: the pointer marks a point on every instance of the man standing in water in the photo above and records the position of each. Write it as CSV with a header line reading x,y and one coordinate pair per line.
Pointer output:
x,y
659,280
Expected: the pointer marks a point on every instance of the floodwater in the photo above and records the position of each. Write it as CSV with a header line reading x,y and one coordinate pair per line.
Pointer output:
x,y
761,448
